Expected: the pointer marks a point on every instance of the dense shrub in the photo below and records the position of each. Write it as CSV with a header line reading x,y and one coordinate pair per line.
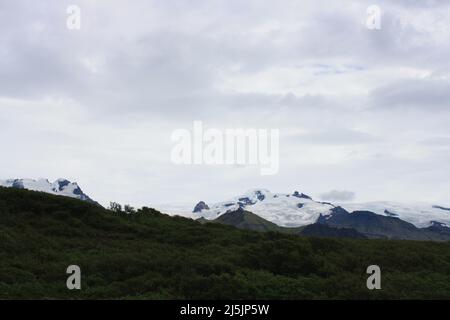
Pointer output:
x,y
148,255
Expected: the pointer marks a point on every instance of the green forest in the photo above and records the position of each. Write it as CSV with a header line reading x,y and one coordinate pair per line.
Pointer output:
x,y
144,254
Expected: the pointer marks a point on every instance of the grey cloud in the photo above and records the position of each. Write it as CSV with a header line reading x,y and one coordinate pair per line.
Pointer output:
x,y
436,141
137,70
338,195
418,3
425,94
333,136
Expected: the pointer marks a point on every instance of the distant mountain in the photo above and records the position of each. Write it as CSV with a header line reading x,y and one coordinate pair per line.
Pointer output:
x,y
373,225
248,221
298,213
339,224
200,206
439,228
284,209
61,187
298,209
421,214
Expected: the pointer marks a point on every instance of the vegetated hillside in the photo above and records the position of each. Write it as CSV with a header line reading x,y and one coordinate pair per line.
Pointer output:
x,y
148,255
246,220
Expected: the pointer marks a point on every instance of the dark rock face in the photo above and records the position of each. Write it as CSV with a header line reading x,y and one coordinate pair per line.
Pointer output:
x,y
245,201
301,195
438,227
78,191
328,203
336,211
339,211
390,214
300,205
200,206
260,196
17,184
442,208
228,204
373,225
62,184
438,231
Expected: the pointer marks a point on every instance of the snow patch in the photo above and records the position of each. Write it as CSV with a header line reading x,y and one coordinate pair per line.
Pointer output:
x,y
60,187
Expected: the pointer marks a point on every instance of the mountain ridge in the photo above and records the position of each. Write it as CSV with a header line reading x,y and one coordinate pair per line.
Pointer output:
x,y
339,224
246,220
298,209
60,187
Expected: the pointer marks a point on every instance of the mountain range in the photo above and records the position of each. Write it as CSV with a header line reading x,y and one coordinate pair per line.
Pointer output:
x,y
298,209
146,254
295,213
298,213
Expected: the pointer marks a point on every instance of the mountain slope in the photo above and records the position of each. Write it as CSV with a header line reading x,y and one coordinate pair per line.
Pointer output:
x,y
325,231
418,213
60,187
340,224
298,209
378,226
284,209
149,255
246,220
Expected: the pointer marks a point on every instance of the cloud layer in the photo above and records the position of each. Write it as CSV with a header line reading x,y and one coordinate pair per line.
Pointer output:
x,y
338,195
357,109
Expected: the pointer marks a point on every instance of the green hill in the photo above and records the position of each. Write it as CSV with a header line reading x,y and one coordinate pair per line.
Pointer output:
x,y
246,220
148,255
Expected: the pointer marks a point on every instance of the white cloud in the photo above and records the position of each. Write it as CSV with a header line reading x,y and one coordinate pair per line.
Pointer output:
x,y
356,109
338,195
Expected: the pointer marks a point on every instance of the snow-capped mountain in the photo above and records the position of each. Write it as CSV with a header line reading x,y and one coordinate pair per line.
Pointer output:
x,y
298,209
420,214
60,187
284,209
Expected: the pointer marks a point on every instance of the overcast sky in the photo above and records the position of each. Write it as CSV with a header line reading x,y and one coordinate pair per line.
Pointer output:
x,y
363,114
